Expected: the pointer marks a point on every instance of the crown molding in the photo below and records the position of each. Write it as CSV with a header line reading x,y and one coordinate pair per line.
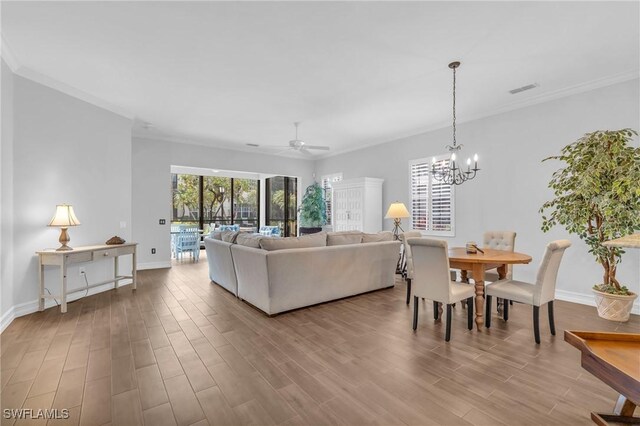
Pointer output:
x,y
45,80
52,83
512,106
8,56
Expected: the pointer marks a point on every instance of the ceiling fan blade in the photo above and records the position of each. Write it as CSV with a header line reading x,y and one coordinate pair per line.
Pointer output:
x,y
304,151
323,148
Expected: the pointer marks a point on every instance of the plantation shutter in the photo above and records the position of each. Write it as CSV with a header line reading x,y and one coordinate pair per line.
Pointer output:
x,y
431,201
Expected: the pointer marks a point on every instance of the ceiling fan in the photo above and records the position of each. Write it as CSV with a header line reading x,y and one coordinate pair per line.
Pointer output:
x,y
299,145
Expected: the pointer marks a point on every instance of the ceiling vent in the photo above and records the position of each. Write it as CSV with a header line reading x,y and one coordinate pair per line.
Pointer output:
x,y
523,88
253,144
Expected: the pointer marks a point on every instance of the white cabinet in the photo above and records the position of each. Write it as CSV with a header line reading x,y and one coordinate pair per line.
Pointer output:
x,y
357,205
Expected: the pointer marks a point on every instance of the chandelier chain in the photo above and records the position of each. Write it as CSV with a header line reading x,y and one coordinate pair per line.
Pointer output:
x,y
454,107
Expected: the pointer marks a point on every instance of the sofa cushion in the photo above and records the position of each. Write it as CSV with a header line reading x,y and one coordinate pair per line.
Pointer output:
x,y
343,238
306,241
229,236
216,235
377,238
249,240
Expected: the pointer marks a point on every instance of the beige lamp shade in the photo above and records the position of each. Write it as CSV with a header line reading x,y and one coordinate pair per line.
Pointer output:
x,y
64,216
397,210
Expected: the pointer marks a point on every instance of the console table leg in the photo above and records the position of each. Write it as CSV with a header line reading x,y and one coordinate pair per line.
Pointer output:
x,y
63,279
134,268
41,273
115,272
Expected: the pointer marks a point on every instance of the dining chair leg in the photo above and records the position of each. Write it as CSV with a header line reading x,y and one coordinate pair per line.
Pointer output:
x,y
505,309
536,323
408,290
435,310
487,317
415,312
552,323
447,335
470,313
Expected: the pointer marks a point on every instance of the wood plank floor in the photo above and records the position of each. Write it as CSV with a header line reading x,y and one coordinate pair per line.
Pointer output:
x,y
183,351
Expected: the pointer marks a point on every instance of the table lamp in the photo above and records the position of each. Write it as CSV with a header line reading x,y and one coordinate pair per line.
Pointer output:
x,y
397,211
64,218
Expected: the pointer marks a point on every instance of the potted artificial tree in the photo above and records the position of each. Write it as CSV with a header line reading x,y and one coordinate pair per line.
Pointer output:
x,y
597,197
313,210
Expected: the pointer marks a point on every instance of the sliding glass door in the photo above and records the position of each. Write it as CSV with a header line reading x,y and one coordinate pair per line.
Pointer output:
x,y
282,204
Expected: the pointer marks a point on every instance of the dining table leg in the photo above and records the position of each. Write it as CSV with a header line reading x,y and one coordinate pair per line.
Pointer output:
x,y
478,278
464,277
502,274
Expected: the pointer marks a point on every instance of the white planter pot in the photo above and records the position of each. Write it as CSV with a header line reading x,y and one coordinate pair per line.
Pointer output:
x,y
614,307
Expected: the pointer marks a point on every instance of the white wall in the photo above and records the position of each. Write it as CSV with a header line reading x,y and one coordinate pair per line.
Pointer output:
x,y
65,151
512,186
6,190
151,170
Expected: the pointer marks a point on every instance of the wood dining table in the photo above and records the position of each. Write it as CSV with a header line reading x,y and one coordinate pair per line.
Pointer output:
x,y
478,263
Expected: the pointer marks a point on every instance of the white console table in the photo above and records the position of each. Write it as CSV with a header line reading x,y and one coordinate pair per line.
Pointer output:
x,y
63,259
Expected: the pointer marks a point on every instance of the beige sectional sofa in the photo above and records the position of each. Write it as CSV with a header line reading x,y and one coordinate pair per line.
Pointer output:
x,y
284,277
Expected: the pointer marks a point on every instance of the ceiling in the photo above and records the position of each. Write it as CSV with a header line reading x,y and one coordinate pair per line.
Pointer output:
x,y
354,73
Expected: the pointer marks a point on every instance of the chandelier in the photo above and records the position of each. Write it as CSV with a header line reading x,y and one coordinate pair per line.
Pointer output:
x,y
453,173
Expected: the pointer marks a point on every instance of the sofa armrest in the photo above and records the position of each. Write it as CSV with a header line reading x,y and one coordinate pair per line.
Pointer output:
x,y
253,278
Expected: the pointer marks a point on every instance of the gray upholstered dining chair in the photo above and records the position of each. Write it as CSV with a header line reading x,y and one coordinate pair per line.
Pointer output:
x,y
432,280
537,294
499,240
408,261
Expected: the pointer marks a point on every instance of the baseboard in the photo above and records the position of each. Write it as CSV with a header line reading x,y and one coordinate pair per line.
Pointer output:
x,y
31,307
7,318
588,299
154,265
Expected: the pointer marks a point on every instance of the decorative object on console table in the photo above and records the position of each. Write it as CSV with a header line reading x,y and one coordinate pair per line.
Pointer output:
x,y
64,218
63,259
313,210
596,197
115,240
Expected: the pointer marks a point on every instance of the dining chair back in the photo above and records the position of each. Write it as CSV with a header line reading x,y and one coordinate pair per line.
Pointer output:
x,y
499,240
188,240
548,272
534,294
432,280
431,269
408,260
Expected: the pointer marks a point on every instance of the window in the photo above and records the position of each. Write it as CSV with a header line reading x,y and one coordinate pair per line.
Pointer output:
x,y
209,200
432,202
326,185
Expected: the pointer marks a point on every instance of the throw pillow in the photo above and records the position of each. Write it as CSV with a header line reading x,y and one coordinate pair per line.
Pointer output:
x,y
343,238
377,238
306,241
216,235
229,236
249,240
